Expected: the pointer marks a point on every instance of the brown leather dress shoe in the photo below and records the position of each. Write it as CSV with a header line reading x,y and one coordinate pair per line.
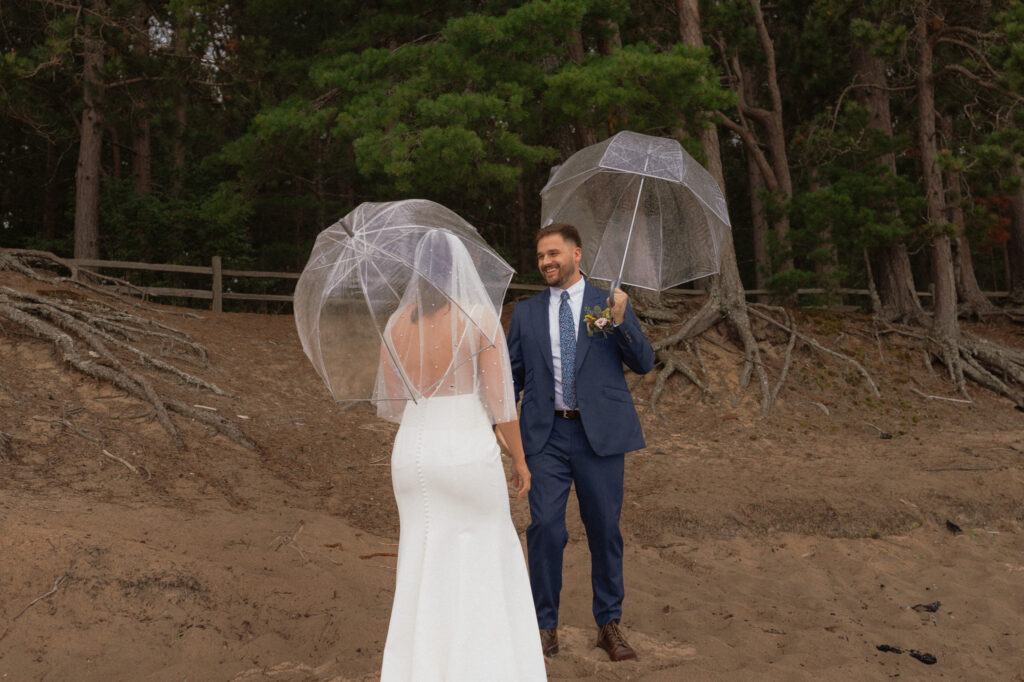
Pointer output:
x,y
610,638
549,641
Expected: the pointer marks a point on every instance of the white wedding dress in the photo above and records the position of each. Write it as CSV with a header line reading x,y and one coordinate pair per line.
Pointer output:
x,y
463,609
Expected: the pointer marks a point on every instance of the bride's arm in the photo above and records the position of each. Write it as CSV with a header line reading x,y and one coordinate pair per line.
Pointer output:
x,y
512,442
496,391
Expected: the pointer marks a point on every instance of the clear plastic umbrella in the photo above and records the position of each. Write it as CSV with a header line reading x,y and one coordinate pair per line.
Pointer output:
x,y
648,213
358,275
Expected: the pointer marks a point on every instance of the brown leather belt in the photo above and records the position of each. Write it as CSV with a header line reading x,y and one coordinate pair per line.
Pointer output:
x,y
568,414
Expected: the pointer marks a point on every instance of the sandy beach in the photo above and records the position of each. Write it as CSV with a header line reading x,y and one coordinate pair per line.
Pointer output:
x,y
781,547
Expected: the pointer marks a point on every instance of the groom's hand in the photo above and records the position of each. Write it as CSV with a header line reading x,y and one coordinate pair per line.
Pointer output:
x,y
617,306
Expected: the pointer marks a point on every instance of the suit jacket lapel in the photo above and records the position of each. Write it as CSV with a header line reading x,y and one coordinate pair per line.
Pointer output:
x,y
592,296
542,328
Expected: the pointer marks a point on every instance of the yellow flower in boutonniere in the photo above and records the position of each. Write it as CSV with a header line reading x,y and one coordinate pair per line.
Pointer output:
x,y
598,319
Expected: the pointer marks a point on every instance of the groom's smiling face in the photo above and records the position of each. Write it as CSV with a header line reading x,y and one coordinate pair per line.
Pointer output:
x,y
559,261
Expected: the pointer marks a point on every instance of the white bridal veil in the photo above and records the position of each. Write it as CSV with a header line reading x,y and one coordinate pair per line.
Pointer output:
x,y
445,338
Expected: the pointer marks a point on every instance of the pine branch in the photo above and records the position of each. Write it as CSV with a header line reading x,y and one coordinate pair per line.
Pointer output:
x,y
970,75
978,54
754,147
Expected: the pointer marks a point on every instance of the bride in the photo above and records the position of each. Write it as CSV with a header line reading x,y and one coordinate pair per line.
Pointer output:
x,y
463,609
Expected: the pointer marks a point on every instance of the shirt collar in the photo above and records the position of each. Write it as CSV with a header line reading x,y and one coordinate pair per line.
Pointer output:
x,y
575,291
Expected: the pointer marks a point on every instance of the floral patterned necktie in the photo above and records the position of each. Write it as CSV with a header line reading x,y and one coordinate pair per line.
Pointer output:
x,y
567,339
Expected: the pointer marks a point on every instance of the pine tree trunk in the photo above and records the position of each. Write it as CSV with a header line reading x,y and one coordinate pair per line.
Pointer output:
x,y
773,123
115,152
894,278
758,217
890,264
972,300
90,148
759,223
178,146
610,38
51,200
825,268
142,154
945,328
521,232
968,290
775,172
142,144
574,45
1015,245
726,296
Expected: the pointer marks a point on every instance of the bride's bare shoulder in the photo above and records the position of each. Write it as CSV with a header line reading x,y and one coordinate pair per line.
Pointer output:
x,y
401,320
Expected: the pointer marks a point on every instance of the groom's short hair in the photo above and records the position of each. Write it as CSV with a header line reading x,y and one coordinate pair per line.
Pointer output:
x,y
569,233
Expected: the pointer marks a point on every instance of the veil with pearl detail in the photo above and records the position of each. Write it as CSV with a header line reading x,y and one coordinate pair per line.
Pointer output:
x,y
445,338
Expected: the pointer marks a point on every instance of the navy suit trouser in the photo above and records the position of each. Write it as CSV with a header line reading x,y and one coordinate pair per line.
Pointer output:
x,y
567,458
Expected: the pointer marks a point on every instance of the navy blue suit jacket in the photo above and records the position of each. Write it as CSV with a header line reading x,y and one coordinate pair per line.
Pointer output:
x,y
606,407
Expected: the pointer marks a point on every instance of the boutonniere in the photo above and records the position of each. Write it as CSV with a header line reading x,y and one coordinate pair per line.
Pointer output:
x,y
598,319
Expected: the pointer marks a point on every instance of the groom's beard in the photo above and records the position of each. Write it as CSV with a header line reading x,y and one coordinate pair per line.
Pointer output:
x,y
559,277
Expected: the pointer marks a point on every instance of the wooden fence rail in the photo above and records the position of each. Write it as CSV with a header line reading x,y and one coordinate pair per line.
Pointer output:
x,y
216,294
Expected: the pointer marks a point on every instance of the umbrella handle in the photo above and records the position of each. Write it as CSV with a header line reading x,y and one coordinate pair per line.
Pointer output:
x,y
629,235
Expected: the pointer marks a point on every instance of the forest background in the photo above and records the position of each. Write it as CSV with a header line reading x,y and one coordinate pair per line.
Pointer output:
x,y
873,145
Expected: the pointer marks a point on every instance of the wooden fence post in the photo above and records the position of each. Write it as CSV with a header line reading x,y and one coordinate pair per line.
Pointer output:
x,y
217,285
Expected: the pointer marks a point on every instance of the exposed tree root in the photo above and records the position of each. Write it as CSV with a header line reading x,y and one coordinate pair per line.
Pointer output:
x,y
101,324
86,334
991,365
967,357
939,397
671,364
221,425
788,359
658,315
117,375
17,259
668,367
757,310
977,310
717,307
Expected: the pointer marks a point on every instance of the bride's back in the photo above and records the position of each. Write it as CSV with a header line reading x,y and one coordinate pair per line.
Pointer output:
x,y
434,351
445,337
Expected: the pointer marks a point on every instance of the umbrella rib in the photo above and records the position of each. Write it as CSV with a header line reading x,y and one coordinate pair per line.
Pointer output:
x,y
359,250
710,207
471,234
629,235
402,373
660,252
596,169
383,214
601,169
606,169
600,242
394,360
412,267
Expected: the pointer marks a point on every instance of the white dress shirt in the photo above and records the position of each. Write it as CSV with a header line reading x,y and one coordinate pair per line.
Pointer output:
x,y
576,305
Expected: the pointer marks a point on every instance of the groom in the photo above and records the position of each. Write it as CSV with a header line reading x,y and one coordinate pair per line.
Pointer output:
x,y
577,421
